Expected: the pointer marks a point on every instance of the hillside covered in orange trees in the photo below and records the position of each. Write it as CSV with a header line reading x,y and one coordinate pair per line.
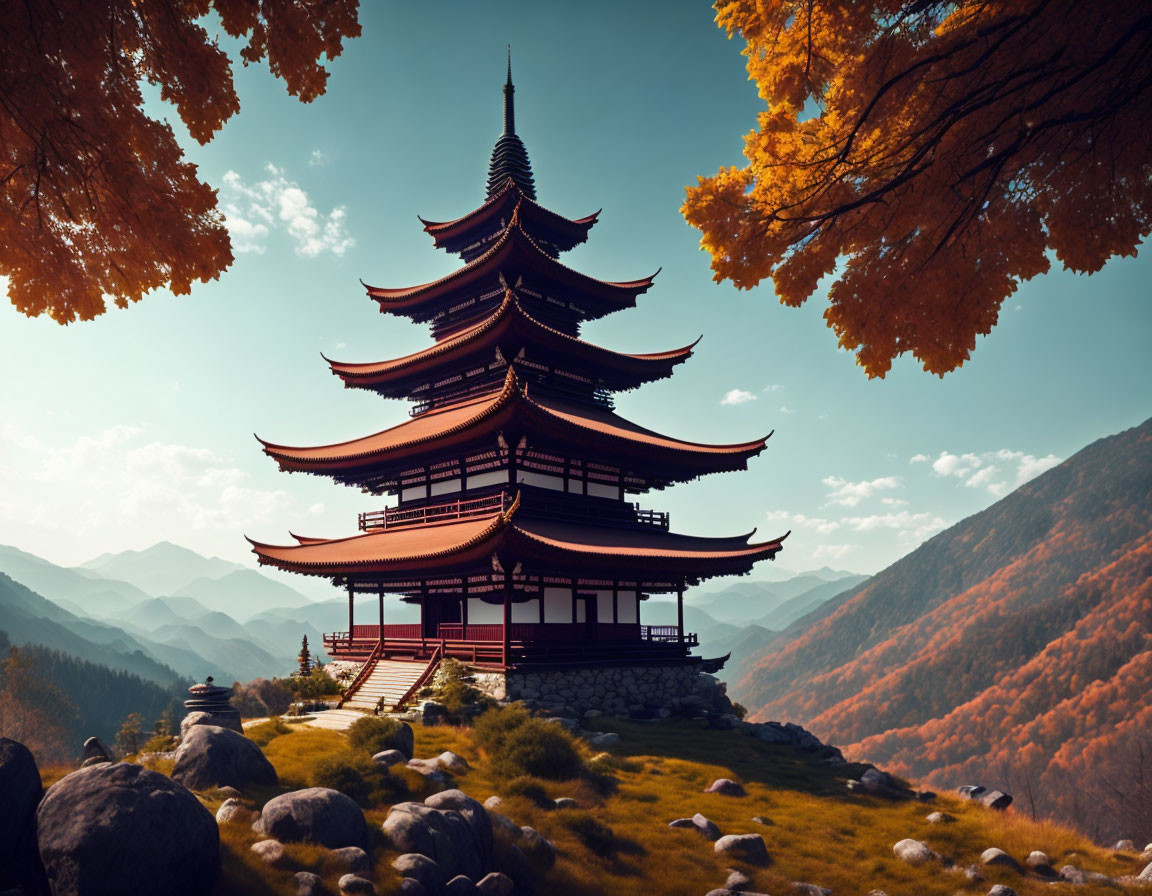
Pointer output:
x,y
1014,649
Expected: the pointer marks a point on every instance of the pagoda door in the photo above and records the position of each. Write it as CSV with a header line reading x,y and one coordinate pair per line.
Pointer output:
x,y
586,607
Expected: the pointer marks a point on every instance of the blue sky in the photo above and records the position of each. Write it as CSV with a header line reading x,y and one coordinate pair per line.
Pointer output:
x,y
138,427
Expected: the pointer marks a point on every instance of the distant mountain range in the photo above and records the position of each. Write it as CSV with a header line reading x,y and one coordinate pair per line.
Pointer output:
x,y
114,610
1015,646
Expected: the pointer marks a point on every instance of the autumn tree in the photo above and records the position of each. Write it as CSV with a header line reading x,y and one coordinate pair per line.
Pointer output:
x,y
97,200
930,156
33,710
129,737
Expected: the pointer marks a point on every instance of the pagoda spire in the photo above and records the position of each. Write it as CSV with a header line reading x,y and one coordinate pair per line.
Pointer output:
x,y
509,157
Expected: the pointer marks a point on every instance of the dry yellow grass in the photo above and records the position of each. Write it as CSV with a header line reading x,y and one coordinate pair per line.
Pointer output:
x,y
815,829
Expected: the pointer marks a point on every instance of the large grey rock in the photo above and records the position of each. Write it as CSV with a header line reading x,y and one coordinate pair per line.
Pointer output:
x,y
389,758
565,802
445,836
112,829
1001,890
937,818
700,824
453,763
537,848
726,786
803,889
210,756
409,886
229,719
914,852
970,791
1146,874
460,885
314,815
1124,846
477,818
309,884
20,792
999,858
875,781
749,847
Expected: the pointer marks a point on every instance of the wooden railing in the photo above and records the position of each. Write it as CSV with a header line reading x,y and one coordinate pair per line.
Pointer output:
x,y
392,517
433,665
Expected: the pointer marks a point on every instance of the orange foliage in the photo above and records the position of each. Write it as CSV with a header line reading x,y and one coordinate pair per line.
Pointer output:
x,y
953,145
97,199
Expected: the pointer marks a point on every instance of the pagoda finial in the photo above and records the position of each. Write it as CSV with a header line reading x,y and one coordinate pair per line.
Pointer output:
x,y
509,99
509,157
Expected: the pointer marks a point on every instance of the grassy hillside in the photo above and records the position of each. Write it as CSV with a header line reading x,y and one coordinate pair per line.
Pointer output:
x,y
815,829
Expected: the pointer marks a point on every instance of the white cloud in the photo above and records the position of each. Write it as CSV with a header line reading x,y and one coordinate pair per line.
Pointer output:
x,y
894,502
849,494
919,459
832,551
738,396
784,409
996,471
772,387
801,522
318,159
251,211
911,525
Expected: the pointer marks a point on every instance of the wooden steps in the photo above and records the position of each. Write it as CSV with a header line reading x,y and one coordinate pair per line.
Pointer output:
x,y
384,685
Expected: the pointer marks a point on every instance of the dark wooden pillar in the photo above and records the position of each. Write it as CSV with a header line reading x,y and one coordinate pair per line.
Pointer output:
x,y
423,611
507,616
351,598
380,598
680,613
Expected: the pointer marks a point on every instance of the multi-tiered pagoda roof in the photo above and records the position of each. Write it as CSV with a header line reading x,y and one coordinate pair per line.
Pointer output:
x,y
512,476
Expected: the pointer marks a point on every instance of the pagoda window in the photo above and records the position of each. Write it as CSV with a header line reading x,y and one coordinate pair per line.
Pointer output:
x,y
627,607
526,611
557,604
604,606
482,613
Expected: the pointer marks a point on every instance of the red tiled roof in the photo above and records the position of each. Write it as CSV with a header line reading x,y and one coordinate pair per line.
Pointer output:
x,y
441,229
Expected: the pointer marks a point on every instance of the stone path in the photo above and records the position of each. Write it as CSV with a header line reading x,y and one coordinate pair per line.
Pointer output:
x,y
335,719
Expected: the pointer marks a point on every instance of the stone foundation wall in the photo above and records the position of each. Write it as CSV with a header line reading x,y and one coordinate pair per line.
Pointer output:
x,y
645,691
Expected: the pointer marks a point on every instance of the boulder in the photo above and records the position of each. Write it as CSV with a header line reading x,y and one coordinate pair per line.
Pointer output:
x,y
995,799
914,852
937,818
420,867
603,739
970,791
112,829
460,886
726,786
409,886
1001,890
445,836
434,776
493,802
999,858
973,873
566,802
94,752
270,852
20,792
234,810
453,763
211,756
1124,846
309,884
875,781
700,824
749,847
1146,874
354,885
353,859
314,815
432,713
389,758
925,796
737,880
220,719
495,884
476,817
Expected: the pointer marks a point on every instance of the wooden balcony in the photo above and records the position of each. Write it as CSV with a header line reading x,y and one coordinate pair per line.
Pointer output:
x,y
393,517
529,644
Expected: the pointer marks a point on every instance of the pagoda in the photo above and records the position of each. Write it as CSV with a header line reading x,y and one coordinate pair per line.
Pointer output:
x,y
513,528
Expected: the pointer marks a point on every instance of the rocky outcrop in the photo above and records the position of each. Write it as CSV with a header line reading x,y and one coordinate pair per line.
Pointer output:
x,y
210,756
726,786
914,852
94,752
224,719
20,792
314,815
112,829
749,847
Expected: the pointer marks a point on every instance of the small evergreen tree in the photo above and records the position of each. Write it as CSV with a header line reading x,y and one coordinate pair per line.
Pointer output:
x,y
128,739
305,657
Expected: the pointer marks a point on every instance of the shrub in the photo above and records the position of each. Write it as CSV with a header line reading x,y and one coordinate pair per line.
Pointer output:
x,y
454,687
372,734
519,744
316,683
528,787
266,732
159,743
739,710
359,777
596,835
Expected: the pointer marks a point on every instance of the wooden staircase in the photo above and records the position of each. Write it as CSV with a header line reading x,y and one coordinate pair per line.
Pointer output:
x,y
387,683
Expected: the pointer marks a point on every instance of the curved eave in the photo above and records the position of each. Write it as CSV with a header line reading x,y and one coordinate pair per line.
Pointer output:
x,y
481,418
410,549
465,228
638,367
412,298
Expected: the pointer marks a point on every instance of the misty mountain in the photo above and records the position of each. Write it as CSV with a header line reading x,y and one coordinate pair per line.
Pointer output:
x,y
161,569
242,594
95,594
